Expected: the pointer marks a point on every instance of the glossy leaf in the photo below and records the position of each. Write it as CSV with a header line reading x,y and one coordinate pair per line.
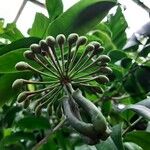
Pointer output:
x,y
54,8
141,138
139,109
116,55
106,145
9,60
22,43
116,136
131,146
81,17
118,25
39,26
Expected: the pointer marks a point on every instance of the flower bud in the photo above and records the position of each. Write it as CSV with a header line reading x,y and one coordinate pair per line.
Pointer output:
x,y
29,55
89,48
17,84
104,58
60,39
96,44
35,48
81,41
72,38
22,66
43,45
102,79
50,41
105,70
22,96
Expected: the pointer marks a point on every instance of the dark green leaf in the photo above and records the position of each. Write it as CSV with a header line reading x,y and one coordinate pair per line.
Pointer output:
x,y
39,26
145,51
143,77
118,25
116,55
131,146
141,138
22,43
54,7
9,60
33,123
106,145
6,81
117,136
139,109
15,137
81,17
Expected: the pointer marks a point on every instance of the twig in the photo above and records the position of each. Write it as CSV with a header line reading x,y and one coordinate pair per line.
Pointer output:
x,y
45,139
37,3
141,4
20,11
128,128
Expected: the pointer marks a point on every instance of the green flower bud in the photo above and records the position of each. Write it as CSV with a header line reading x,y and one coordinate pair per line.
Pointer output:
x,y
60,39
22,66
89,48
102,79
17,84
35,48
104,58
50,41
22,96
29,55
81,41
105,70
96,44
43,45
72,38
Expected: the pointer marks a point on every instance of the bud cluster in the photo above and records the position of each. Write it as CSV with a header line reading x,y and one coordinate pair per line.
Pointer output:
x,y
61,61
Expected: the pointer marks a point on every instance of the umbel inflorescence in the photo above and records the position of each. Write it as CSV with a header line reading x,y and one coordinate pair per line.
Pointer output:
x,y
62,64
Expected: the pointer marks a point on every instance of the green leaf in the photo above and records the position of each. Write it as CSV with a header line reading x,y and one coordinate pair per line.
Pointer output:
x,y
117,136
131,146
106,40
145,51
81,17
141,138
33,123
139,109
106,145
6,81
39,26
11,32
54,8
145,102
117,24
143,77
9,60
126,63
116,55
22,43
16,137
